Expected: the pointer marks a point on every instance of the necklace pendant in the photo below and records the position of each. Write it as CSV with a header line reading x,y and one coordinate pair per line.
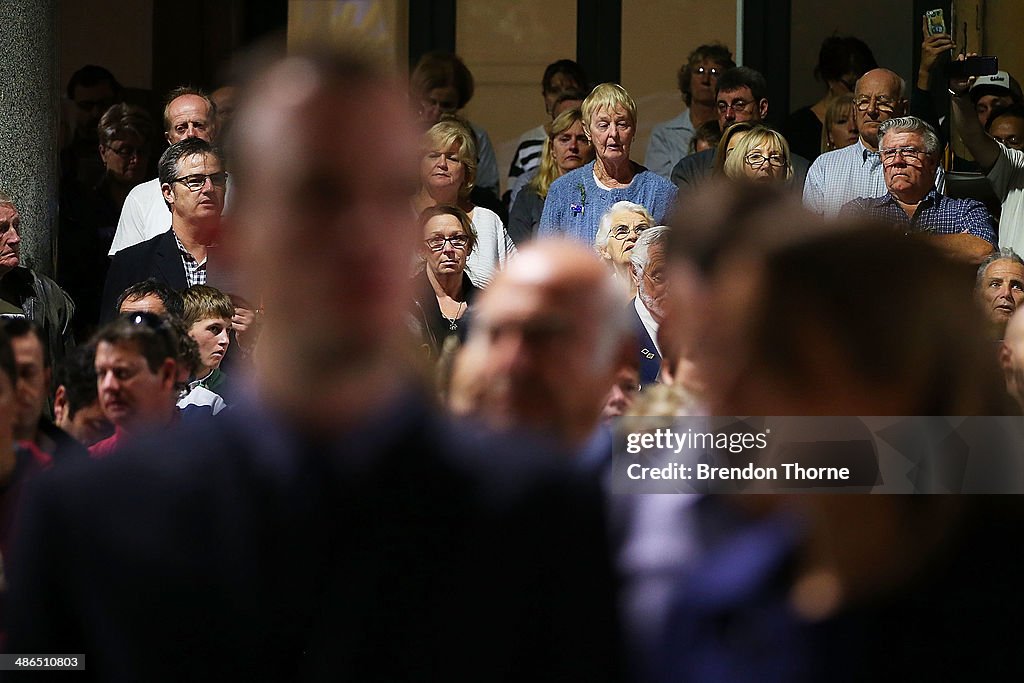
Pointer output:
x,y
452,325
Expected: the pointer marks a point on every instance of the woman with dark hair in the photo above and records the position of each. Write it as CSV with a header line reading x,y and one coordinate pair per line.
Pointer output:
x,y
89,214
841,61
565,148
444,290
441,84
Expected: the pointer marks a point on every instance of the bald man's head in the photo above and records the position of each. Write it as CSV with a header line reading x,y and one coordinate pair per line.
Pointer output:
x,y
549,335
878,96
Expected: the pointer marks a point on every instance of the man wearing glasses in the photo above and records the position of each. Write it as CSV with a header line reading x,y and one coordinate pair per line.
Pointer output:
x,y
909,150
189,113
193,180
648,307
742,96
837,177
333,528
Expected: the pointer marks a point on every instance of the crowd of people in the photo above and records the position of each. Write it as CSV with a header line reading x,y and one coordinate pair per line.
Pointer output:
x,y
295,409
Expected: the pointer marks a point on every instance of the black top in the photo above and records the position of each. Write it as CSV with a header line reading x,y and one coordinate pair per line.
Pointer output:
x,y
524,217
432,326
802,131
406,549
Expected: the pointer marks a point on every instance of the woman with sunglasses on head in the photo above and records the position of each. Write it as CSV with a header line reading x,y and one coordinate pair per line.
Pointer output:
x,y
444,290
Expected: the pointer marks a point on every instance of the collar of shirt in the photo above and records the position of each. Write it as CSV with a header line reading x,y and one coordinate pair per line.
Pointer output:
x,y
185,253
866,154
931,199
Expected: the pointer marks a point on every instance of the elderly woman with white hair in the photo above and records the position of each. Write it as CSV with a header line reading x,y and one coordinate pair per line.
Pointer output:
x,y
617,234
577,200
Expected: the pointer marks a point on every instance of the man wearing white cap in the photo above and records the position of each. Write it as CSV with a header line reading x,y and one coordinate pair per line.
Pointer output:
x,y
991,92
1003,166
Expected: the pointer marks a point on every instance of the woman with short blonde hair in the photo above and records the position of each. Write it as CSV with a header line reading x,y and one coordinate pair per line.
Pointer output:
x,y
577,200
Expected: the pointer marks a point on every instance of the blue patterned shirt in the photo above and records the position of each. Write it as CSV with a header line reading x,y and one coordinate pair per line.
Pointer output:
x,y
575,202
936,214
837,177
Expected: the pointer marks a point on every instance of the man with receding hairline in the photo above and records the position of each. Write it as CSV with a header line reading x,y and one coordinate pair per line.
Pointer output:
x,y
552,334
188,113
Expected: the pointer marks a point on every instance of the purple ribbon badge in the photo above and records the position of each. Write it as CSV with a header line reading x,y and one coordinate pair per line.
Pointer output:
x,y
576,209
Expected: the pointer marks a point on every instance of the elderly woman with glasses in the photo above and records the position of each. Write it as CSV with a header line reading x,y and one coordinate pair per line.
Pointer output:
x,y
444,291
577,200
761,156
447,176
620,228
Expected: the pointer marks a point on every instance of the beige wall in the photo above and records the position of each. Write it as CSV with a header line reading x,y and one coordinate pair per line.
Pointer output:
x,y
386,21
656,39
507,44
1003,21
114,34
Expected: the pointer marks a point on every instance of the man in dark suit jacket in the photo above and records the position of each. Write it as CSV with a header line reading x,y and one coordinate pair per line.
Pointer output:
x,y
648,264
193,181
333,529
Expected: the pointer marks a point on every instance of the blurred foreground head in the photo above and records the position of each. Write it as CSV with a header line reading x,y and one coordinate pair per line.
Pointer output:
x,y
787,315
550,334
323,159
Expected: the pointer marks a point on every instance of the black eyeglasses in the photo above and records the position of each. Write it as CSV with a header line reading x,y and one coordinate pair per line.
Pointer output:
x,y
437,243
757,160
197,181
736,105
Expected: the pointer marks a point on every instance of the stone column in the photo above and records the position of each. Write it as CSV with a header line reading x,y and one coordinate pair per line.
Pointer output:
x,y
29,101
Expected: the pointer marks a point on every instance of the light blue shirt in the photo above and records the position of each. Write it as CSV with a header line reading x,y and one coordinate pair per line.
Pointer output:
x,y
670,142
575,202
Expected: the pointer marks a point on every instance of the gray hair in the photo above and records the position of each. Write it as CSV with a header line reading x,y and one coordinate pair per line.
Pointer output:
x,y
911,124
604,229
1003,254
640,256
6,198
168,165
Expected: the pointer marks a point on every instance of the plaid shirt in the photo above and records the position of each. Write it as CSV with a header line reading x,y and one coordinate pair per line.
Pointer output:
x,y
195,272
936,214
837,177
